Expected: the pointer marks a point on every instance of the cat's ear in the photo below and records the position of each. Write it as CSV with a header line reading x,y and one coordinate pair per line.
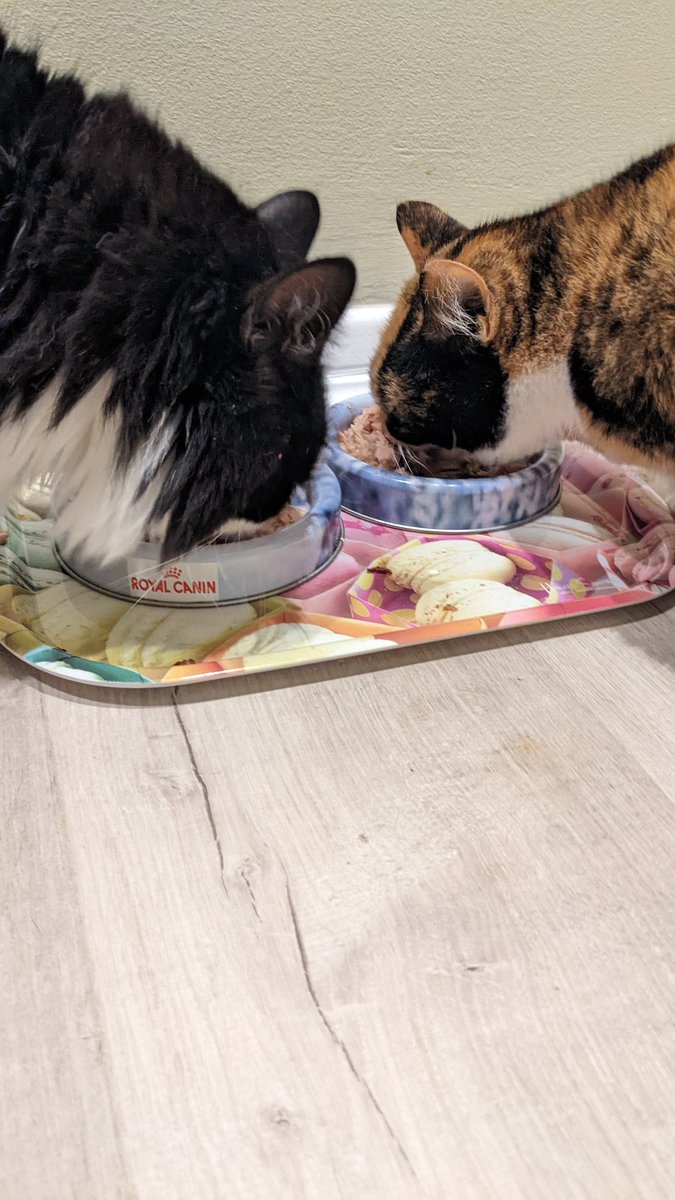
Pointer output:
x,y
457,301
291,220
424,229
299,313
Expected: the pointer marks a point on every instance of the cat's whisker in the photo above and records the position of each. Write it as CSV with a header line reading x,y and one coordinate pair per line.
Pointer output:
x,y
414,458
403,457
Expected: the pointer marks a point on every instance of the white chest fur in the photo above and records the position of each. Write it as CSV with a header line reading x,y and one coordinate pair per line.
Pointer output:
x,y
540,410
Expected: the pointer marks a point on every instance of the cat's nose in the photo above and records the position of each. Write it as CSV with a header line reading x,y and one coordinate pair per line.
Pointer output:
x,y
395,427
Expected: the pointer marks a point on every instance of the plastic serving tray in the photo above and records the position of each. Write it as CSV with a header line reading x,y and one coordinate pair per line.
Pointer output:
x,y
609,543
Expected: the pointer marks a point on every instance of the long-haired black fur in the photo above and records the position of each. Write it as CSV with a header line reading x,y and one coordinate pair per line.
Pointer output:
x,y
160,340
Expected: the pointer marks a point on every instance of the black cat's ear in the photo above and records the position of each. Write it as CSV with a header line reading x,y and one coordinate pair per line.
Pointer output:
x,y
291,220
424,229
300,312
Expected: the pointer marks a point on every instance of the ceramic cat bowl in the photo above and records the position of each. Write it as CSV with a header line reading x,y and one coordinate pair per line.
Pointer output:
x,y
233,571
440,505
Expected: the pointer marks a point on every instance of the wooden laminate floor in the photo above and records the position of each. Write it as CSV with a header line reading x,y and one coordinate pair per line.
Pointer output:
x,y
395,929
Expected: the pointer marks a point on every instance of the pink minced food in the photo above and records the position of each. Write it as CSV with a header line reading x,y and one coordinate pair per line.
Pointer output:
x,y
368,440
288,516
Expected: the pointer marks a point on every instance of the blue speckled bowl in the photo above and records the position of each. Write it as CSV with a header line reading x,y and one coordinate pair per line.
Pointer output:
x,y
440,505
233,571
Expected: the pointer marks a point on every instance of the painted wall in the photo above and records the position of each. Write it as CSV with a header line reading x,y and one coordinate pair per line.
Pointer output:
x,y
486,108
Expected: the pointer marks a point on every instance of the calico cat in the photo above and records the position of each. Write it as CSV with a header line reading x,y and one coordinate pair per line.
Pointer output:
x,y
160,341
522,331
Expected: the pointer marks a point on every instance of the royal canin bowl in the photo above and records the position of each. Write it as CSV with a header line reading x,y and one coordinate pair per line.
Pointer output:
x,y
229,572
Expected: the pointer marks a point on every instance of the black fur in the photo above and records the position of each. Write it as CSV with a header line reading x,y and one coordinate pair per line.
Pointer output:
x,y
454,389
547,271
648,428
638,172
120,253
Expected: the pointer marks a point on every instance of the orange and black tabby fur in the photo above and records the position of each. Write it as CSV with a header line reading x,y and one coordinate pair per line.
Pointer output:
x,y
525,330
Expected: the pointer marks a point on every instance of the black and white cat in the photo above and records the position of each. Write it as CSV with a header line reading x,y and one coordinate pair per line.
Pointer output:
x,y
160,341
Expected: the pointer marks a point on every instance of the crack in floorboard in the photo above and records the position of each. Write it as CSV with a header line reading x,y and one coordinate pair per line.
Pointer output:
x,y
204,792
335,1037
250,891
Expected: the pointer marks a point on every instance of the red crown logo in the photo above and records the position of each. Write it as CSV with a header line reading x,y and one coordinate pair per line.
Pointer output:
x,y
173,573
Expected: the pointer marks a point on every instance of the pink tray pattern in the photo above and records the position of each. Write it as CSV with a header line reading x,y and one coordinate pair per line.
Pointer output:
x,y
609,543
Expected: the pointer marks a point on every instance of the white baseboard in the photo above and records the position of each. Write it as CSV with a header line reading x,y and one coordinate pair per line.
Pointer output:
x,y
348,354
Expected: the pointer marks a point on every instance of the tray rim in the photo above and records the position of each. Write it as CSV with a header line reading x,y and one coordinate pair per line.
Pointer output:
x,y
631,601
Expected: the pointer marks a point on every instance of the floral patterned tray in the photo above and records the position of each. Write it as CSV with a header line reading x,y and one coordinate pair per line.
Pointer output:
x,y
609,543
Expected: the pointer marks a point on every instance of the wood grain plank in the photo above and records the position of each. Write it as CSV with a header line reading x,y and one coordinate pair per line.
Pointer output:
x,y
505,876
398,927
58,1123
226,1078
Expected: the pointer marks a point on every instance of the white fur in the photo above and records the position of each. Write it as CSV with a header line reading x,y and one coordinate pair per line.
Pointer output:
x,y
238,527
540,411
451,315
94,501
235,529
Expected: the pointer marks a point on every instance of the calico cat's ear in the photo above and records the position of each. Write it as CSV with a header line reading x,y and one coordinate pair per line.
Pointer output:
x,y
291,220
457,301
298,315
424,229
